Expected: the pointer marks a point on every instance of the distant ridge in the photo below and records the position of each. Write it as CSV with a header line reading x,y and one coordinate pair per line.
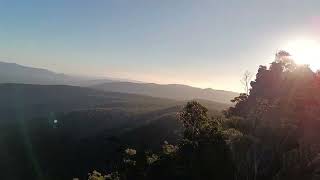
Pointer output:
x,y
15,73
171,91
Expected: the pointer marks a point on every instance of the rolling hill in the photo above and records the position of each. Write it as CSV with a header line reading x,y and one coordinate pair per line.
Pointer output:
x,y
171,91
93,127
15,73
28,101
101,113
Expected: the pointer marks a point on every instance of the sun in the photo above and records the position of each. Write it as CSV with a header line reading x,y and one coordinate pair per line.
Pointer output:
x,y
305,51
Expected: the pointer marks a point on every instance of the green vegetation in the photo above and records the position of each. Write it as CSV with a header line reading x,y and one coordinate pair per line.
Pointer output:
x,y
92,128
271,133
62,132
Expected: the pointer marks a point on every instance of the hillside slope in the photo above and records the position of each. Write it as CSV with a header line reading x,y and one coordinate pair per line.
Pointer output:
x,y
93,127
171,91
16,73
28,101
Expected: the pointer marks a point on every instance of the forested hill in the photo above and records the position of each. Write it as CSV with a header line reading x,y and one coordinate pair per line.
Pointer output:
x,y
271,133
29,101
15,73
91,126
172,91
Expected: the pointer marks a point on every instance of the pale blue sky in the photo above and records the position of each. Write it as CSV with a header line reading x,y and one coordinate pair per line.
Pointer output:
x,y
204,43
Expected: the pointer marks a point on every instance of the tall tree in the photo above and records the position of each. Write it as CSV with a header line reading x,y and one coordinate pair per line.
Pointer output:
x,y
246,79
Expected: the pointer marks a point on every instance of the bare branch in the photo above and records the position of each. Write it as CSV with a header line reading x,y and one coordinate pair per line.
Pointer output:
x,y
246,79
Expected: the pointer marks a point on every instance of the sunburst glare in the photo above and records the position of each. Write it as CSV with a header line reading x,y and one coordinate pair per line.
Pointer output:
x,y
305,51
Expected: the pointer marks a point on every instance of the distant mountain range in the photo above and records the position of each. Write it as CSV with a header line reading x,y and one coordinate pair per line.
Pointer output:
x,y
15,73
171,91
83,123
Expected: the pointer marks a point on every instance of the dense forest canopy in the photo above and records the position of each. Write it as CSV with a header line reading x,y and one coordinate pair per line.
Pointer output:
x,y
272,132
44,126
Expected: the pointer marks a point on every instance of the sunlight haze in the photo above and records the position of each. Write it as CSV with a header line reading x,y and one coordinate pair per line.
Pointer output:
x,y
208,44
305,51
160,89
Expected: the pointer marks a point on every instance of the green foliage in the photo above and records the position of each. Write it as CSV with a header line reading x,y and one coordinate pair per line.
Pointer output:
x,y
195,119
91,130
270,133
202,153
274,119
95,175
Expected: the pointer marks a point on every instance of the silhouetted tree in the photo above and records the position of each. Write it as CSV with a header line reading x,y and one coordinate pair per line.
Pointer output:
x,y
245,81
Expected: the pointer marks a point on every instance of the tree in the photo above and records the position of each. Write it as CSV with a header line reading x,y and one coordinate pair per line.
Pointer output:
x,y
270,133
282,113
194,118
203,152
246,79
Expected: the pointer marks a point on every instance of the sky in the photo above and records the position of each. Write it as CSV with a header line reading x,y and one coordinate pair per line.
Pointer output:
x,y
203,43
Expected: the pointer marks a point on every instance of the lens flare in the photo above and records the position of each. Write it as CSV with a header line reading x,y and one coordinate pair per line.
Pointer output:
x,y
305,51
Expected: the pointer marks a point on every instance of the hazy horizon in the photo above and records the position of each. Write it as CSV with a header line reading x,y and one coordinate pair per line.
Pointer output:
x,y
160,89
207,44
115,79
